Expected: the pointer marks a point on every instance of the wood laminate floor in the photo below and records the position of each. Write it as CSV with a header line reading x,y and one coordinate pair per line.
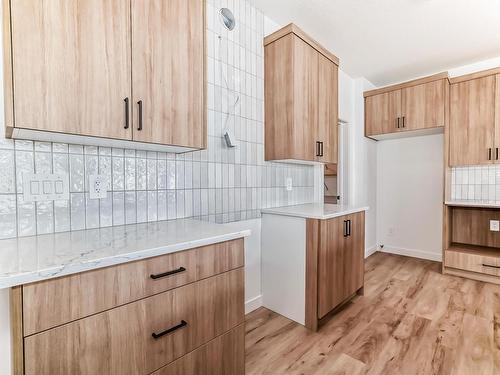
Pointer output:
x,y
412,320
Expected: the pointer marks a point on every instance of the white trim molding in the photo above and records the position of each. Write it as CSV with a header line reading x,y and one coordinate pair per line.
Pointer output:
x,y
436,256
253,304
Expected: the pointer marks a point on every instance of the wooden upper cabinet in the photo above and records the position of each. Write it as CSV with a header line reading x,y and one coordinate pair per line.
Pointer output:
x,y
71,66
168,48
472,121
301,98
423,105
416,105
382,112
81,67
305,95
497,119
328,110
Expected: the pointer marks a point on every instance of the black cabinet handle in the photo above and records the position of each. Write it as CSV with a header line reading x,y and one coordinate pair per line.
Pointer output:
x,y
139,127
489,154
168,273
127,118
403,122
182,324
397,124
345,228
496,153
321,148
318,148
488,265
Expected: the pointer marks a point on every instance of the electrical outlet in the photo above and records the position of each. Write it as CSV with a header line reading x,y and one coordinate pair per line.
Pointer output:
x,y
98,186
289,186
494,225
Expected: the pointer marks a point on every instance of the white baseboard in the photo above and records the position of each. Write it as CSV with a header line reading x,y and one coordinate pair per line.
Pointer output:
x,y
415,253
253,304
370,251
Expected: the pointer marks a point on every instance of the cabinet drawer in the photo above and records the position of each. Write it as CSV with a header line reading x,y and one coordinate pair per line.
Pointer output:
x,y
224,355
489,265
120,341
55,302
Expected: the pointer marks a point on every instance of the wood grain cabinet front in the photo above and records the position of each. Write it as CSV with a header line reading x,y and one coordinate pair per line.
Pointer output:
x,y
474,135
143,336
334,264
87,293
340,260
416,105
127,70
301,98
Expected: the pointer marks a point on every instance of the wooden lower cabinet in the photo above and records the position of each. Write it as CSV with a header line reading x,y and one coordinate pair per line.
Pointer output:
x,y
92,292
194,324
338,253
224,355
120,341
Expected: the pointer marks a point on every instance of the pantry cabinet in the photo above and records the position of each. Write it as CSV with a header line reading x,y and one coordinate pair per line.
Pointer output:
x,y
418,105
113,70
301,98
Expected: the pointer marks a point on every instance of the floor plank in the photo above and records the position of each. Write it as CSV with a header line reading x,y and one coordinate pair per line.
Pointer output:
x,y
411,320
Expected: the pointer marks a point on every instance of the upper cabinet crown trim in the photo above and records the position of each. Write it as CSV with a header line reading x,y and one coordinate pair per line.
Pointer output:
x,y
415,82
476,75
294,29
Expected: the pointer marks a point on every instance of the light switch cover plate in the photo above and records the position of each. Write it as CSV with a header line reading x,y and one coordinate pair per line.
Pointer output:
x,y
39,187
289,186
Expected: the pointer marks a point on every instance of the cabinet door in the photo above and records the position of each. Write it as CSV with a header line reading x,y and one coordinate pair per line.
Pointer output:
x,y
382,112
331,264
472,121
354,251
423,106
168,71
327,131
71,66
497,119
306,83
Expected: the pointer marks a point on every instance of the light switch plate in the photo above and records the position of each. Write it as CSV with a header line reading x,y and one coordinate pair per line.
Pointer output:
x,y
98,186
39,187
289,186
494,225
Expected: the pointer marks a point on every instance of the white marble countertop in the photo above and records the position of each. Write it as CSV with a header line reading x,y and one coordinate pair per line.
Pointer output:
x,y
315,210
29,259
464,203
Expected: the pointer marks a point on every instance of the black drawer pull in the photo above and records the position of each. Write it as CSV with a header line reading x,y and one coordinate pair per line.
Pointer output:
x,y
489,265
348,228
168,273
182,324
140,115
127,119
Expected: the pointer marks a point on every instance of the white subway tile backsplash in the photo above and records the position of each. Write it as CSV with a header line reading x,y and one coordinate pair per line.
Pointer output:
x,y
476,183
217,184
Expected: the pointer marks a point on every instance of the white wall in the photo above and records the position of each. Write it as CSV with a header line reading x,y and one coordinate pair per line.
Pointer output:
x,y
363,174
410,196
253,290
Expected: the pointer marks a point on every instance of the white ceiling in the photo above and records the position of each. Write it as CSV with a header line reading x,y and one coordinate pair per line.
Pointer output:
x,y
389,41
